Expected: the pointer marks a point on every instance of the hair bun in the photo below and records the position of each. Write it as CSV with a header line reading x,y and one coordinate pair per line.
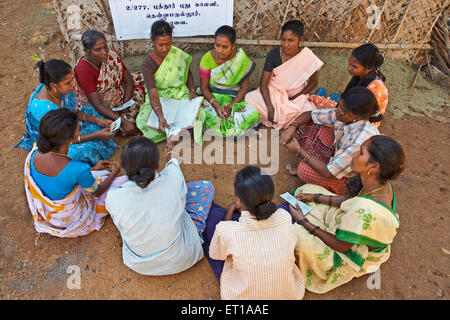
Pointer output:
x,y
143,177
264,210
44,145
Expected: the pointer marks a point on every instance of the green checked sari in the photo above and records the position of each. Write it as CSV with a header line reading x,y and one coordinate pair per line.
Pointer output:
x,y
360,220
170,78
224,83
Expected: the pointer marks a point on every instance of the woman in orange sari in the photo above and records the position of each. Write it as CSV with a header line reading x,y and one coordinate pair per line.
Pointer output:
x,y
283,93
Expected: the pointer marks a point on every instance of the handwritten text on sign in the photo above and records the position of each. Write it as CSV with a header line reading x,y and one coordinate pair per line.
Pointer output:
x,y
133,18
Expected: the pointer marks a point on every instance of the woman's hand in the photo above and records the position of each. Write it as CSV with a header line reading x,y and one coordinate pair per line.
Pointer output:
x,y
287,135
306,197
115,168
293,146
221,112
104,134
163,125
102,165
296,213
128,127
234,206
192,94
103,122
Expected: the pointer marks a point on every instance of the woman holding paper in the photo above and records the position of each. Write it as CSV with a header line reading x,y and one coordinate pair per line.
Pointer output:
x,y
105,88
224,81
166,74
56,90
290,73
347,236
160,217
66,197
251,251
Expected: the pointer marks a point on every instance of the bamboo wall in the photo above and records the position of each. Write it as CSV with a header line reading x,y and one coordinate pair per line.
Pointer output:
x,y
406,24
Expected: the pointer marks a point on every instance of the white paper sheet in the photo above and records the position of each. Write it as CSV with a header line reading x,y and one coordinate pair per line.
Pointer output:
x,y
133,18
179,114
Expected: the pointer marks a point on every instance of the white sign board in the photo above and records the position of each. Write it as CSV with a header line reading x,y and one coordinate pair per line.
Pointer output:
x,y
133,18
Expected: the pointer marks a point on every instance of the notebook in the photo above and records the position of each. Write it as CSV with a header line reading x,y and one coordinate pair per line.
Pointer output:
x,y
179,114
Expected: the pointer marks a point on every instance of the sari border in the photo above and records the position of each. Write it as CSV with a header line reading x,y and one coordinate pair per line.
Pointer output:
x,y
358,239
394,204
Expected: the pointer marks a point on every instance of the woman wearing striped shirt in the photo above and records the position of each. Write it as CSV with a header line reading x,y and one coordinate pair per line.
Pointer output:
x,y
258,249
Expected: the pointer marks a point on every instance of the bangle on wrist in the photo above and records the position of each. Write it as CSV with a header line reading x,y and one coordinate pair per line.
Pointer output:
x,y
294,124
171,152
313,231
79,139
316,197
212,100
329,201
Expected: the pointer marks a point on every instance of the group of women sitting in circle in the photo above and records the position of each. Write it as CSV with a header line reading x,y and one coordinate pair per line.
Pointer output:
x,y
257,250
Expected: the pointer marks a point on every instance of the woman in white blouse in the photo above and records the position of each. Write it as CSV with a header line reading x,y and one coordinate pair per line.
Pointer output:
x,y
160,218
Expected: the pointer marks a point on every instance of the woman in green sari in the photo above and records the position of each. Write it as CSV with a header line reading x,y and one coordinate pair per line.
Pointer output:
x,y
348,236
166,74
224,81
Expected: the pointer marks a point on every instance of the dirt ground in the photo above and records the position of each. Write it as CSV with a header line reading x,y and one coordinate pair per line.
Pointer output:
x,y
34,266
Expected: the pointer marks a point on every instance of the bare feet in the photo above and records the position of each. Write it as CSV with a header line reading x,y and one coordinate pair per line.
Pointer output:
x,y
291,169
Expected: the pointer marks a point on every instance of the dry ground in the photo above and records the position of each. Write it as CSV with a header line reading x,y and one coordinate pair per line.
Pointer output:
x,y
34,266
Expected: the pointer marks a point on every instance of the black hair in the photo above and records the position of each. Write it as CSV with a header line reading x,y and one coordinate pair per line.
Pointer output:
x,y
52,71
227,31
90,38
360,101
255,189
370,57
161,28
388,153
295,26
140,159
56,128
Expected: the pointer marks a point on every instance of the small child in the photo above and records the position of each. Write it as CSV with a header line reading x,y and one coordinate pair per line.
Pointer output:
x,y
258,249
364,66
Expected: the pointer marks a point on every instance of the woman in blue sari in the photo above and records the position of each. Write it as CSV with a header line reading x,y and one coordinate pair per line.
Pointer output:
x,y
56,90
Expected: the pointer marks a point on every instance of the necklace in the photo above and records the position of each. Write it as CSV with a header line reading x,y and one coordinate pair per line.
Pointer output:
x,y
61,154
53,96
370,192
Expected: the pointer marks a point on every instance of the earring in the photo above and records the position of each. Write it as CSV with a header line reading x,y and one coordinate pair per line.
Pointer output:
x,y
368,172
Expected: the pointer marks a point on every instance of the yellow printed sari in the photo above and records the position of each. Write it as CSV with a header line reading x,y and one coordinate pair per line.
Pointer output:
x,y
78,214
359,220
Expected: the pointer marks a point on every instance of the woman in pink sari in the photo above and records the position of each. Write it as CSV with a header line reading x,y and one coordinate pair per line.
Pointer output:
x,y
290,73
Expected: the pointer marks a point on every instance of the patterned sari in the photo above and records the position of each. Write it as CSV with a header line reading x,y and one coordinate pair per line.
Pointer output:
x,y
90,151
224,83
287,80
170,78
111,89
78,214
360,220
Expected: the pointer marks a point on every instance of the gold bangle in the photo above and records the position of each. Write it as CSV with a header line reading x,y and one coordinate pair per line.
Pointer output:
x,y
211,102
171,152
79,139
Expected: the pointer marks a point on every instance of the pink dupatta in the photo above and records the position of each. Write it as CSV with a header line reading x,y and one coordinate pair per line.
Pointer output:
x,y
287,80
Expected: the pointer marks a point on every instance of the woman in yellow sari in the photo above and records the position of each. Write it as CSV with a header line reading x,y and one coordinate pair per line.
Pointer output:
x,y
348,236
166,74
